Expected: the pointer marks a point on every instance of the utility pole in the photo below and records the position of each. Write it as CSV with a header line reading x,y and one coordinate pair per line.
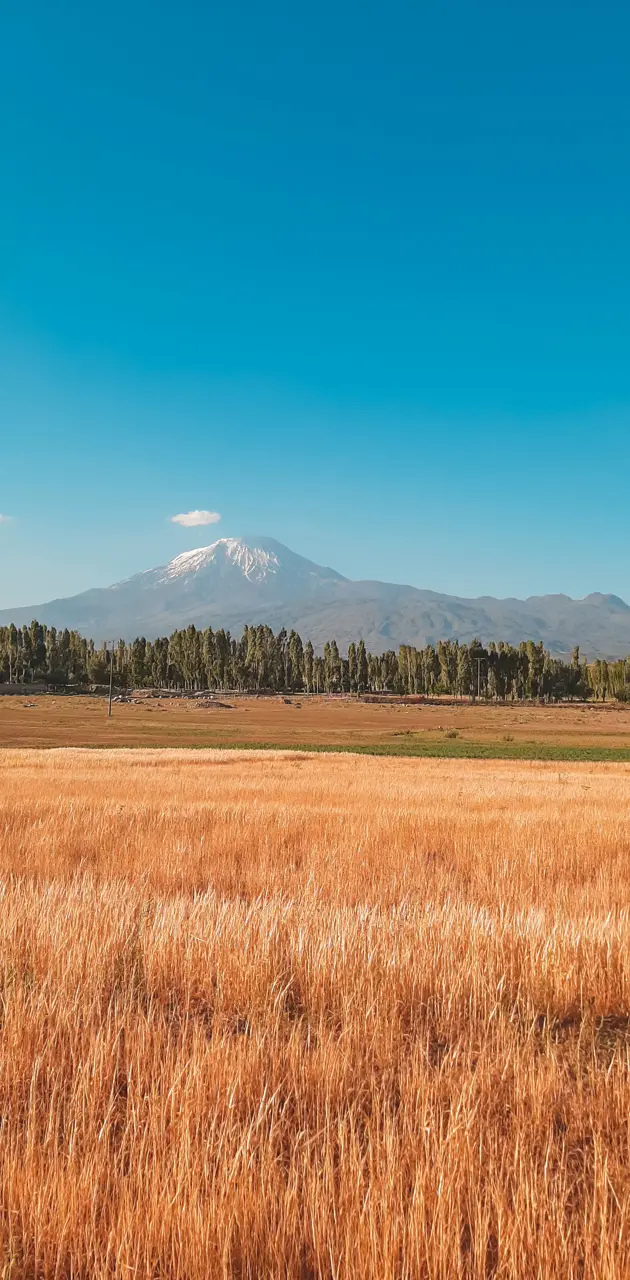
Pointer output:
x,y
111,677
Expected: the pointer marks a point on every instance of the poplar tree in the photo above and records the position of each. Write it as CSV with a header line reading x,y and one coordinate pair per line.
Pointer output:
x,y
362,667
352,666
309,655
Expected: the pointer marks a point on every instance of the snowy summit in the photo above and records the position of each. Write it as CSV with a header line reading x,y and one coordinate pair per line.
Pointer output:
x,y
249,581
254,562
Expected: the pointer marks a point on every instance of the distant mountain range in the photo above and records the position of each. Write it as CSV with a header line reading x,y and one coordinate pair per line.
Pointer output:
x,y
252,580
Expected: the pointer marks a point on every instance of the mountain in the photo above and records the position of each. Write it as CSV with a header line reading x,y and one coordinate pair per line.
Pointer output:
x,y
252,580
231,582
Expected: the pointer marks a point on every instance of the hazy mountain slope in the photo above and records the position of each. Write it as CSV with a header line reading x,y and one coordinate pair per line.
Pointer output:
x,y
250,580
234,575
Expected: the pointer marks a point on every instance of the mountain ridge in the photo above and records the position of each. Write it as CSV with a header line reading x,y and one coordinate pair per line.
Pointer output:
x,y
238,581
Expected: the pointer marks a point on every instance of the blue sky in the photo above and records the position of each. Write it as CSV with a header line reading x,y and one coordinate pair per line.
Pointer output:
x,y
356,276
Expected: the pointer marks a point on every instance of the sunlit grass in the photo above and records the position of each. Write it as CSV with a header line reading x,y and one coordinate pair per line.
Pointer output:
x,y
278,1015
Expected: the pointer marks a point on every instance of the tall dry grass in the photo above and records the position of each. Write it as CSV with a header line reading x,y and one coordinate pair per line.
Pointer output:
x,y
268,1016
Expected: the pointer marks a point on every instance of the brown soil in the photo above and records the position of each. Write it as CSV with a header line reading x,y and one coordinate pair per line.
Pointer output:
x,y
82,721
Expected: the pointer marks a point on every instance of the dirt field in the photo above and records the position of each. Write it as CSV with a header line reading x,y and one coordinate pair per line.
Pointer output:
x,y
82,721
272,1015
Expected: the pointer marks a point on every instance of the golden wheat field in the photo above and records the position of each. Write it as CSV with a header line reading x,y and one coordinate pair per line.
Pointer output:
x,y
277,1015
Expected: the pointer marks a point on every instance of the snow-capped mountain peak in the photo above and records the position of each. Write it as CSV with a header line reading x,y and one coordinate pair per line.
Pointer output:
x,y
240,565
255,563
256,580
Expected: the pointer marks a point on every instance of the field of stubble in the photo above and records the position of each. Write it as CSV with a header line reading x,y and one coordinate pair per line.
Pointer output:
x,y
289,1016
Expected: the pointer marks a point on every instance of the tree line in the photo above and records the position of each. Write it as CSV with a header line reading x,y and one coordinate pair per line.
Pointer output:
x,y
259,660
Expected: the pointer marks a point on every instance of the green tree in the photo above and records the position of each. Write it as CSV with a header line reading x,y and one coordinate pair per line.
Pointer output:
x,y
309,664
352,666
363,674
295,661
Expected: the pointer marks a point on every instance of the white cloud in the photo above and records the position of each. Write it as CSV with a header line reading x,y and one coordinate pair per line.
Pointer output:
x,y
191,518
5,519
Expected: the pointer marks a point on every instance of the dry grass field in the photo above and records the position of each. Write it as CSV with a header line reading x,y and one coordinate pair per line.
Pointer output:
x,y
82,721
277,1015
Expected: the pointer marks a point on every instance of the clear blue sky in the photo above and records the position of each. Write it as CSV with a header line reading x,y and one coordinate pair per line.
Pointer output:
x,y
355,275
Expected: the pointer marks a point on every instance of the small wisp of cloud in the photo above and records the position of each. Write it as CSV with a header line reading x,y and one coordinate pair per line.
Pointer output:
x,y
191,518
5,519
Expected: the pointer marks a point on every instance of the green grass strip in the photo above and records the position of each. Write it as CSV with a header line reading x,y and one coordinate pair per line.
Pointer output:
x,y
460,749
451,750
